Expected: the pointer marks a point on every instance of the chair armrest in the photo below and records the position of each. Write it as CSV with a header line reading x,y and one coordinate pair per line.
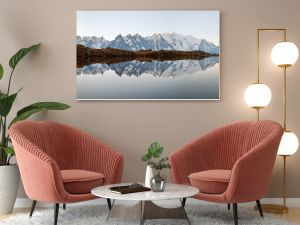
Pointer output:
x,y
251,174
194,157
99,157
40,174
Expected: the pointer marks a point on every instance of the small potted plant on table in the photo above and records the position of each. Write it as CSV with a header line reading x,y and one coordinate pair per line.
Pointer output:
x,y
157,182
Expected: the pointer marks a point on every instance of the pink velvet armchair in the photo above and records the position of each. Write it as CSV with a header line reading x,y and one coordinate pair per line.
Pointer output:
x,y
60,164
231,165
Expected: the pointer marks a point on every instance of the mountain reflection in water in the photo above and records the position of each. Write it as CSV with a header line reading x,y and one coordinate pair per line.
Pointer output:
x,y
156,68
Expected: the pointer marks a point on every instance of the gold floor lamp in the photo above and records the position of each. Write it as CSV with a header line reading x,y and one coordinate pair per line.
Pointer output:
x,y
258,95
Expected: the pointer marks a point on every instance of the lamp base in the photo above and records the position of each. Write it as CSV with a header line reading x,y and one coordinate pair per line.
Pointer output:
x,y
276,209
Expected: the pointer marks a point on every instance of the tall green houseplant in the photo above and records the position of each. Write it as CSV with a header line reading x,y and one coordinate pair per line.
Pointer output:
x,y
6,102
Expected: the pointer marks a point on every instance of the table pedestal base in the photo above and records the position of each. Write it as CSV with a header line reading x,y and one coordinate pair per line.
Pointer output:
x,y
147,210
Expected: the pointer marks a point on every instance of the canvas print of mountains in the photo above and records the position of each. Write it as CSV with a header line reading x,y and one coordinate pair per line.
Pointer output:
x,y
151,55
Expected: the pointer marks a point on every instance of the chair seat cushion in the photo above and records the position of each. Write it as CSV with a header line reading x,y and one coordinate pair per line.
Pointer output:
x,y
211,181
81,181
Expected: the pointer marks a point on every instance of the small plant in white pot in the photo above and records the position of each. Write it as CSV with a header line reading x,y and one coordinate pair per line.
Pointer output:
x,y
156,182
9,173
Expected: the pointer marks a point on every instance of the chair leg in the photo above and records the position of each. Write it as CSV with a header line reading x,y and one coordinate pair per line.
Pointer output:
x,y
56,209
235,213
32,208
228,206
108,203
64,206
259,208
183,202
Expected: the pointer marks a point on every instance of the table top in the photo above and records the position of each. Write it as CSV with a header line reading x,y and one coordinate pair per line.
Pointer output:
x,y
172,191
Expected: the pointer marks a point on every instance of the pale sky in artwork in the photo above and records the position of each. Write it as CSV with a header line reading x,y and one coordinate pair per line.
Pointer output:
x,y
200,24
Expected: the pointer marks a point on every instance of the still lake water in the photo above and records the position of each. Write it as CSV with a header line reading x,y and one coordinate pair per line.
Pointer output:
x,y
181,79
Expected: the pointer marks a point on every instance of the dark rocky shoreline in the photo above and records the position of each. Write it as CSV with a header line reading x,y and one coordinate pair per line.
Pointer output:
x,y
87,56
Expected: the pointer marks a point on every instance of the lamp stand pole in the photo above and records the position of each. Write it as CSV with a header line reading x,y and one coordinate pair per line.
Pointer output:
x,y
258,58
272,208
284,183
257,112
285,208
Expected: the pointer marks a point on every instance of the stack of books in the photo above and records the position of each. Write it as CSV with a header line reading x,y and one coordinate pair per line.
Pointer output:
x,y
129,189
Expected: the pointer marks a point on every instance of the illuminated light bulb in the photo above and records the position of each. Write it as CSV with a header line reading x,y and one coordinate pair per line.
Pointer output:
x,y
284,54
289,144
257,95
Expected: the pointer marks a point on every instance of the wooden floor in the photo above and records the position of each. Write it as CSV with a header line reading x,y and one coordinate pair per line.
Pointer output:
x,y
293,215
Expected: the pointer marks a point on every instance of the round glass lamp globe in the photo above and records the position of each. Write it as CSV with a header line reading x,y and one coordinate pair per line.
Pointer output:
x,y
289,144
258,95
284,54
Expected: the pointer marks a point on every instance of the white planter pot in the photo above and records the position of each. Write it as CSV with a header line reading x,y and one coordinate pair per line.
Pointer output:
x,y
148,176
9,183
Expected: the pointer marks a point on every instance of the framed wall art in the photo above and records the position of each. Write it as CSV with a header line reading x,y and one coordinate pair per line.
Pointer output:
x,y
148,55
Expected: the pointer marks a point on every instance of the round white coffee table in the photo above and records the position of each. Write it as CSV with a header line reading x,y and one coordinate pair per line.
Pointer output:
x,y
145,209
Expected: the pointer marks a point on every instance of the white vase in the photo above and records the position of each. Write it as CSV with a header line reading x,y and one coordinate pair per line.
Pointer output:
x,y
148,176
9,183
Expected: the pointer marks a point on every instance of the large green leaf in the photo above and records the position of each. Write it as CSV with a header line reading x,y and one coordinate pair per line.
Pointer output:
x,y
1,71
6,103
9,150
16,58
155,150
44,105
2,95
27,111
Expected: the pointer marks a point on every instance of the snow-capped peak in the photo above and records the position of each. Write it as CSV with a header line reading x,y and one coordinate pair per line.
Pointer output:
x,y
158,41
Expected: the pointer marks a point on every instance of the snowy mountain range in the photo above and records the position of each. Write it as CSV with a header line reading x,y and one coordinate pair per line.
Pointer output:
x,y
164,41
157,68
